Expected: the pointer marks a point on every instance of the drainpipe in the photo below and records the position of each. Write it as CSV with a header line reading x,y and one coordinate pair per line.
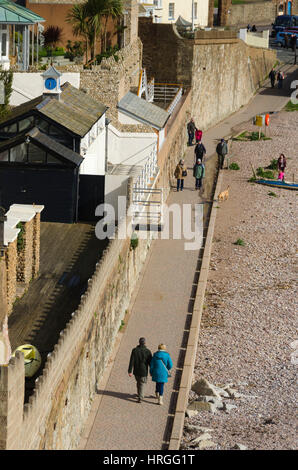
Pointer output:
x,y
107,122
3,218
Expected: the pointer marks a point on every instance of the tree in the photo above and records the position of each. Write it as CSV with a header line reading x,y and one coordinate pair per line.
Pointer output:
x,y
99,11
52,36
6,77
78,18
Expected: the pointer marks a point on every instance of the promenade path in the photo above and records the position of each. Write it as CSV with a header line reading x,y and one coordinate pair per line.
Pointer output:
x,y
161,311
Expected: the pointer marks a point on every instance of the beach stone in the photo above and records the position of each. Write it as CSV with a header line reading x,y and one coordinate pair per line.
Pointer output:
x,y
206,445
202,406
203,387
196,428
227,407
203,437
190,413
239,447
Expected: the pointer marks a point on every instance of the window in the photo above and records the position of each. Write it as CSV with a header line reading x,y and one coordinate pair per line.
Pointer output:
x,y
61,136
171,11
26,123
18,153
53,160
4,44
42,125
12,129
195,11
36,154
4,156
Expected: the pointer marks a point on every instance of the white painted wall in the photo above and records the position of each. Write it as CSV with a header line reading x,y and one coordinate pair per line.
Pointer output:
x,y
183,8
27,86
255,39
115,186
93,149
129,148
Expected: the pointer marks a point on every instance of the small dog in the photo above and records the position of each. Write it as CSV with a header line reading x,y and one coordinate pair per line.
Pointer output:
x,y
224,194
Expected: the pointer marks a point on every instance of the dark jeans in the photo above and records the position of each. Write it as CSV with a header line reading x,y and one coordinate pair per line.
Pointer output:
x,y
198,183
221,159
279,84
159,388
180,183
272,83
190,137
140,385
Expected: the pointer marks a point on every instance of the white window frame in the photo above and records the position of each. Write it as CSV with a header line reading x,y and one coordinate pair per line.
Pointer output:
x,y
173,15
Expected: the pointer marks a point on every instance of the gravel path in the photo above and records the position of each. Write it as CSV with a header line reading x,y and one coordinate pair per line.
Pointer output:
x,y
248,324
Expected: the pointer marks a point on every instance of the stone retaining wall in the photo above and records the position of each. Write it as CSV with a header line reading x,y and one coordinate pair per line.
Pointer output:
x,y
11,261
223,72
251,13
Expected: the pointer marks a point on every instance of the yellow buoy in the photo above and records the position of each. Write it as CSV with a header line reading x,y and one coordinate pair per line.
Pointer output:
x,y
32,358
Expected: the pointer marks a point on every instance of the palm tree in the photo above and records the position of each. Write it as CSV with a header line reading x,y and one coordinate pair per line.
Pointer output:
x,y
99,12
78,17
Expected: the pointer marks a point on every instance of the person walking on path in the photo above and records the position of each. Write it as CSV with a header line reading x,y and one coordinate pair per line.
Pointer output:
x,y
280,78
199,173
139,363
198,135
272,76
191,127
221,150
281,163
160,366
180,174
200,151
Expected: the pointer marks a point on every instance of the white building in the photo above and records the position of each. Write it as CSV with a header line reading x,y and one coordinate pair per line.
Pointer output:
x,y
168,11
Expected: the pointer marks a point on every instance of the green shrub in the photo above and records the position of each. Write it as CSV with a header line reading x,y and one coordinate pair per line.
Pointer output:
x,y
271,193
134,241
20,239
291,106
239,242
265,174
273,165
234,166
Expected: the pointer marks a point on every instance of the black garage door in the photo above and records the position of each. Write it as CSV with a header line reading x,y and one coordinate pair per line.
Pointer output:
x,y
54,188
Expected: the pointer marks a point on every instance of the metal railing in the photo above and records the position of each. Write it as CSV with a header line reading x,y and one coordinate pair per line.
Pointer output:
x,y
169,94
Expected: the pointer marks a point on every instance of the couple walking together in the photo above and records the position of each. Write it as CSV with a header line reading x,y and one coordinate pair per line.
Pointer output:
x,y
159,364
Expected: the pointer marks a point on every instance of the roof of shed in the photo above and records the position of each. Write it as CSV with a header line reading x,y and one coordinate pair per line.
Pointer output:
x,y
144,111
74,110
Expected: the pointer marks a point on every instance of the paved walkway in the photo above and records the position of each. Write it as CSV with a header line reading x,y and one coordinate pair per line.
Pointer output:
x,y
161,312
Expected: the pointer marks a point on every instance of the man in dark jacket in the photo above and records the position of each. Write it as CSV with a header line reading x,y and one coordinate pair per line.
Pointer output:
x,y
139,363
191,127
199,151
221,150
272,76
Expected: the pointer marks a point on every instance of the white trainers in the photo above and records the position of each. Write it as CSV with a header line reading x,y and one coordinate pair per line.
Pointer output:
x,y
160,400
157,394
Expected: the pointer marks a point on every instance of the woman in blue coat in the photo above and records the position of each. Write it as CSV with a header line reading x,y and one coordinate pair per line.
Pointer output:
x,y
160,365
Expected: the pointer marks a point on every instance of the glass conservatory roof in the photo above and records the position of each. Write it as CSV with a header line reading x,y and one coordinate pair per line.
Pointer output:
x,y
11,13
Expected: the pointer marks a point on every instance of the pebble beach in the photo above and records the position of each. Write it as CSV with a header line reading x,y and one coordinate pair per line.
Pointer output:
x,y
248,337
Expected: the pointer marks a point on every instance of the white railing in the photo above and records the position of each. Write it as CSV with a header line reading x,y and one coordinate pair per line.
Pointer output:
x,y
168,94
175,101
145,87
149,171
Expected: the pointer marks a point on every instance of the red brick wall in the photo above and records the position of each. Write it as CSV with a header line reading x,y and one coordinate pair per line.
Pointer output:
x,y
55,14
